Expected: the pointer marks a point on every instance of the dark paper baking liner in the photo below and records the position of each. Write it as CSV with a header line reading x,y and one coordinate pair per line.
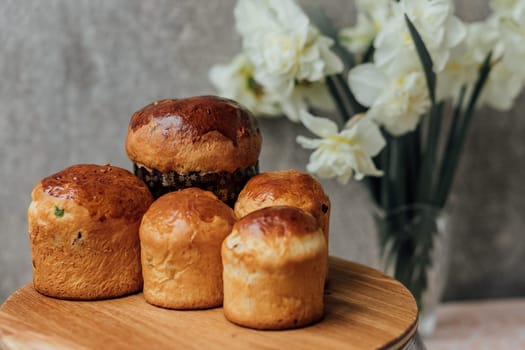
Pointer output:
x,y
226,186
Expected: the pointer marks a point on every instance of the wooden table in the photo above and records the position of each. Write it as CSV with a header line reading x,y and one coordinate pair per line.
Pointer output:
x,y
364,310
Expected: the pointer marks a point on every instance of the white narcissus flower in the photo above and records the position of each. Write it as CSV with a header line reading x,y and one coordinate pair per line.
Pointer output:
x,y
235,80
502,35
285,49
342,153
514,9
371,16
396,101
462,68
507,77
502,88
434,20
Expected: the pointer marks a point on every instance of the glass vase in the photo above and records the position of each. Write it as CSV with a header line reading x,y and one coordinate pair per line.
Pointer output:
x,y
413,246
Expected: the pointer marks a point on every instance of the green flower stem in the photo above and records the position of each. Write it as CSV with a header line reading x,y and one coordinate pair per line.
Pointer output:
x,y
404,267
451,137
356,106
425,183
369,53
397,171
373,184
384,161
451,159
346,57
332,85
412,148
456,116
408,234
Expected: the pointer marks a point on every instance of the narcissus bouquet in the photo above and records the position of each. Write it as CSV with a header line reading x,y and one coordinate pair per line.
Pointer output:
x,y
406,76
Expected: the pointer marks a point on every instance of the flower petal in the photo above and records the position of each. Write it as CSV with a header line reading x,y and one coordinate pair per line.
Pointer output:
x,y
365,166
308,143
322,127
369,137
456,32
366,82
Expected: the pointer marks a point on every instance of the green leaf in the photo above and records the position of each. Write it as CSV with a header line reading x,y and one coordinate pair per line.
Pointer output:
x,y
331,83
451,159
413,149
372,184
483,76
369,53
426,173
424,57
59,212
356,106
457,112
451,139
384,161
398,171
343,97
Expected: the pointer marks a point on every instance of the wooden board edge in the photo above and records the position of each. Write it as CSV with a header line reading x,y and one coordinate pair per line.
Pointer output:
x,y
11,339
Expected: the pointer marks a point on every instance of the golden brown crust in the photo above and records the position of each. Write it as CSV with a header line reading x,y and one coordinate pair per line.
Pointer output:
x,y
181,236
105,191
285,187
197,134
266,223
275,264
83,229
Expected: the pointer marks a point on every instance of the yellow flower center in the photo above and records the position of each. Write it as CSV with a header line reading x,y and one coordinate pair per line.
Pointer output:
x,y
340,139
400,82
407,38
246,72
453,66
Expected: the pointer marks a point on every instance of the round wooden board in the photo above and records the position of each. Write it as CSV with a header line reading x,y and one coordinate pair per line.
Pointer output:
x,y
364,310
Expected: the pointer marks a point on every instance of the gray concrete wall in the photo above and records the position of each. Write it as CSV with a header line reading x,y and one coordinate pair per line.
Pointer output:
x,y
73,72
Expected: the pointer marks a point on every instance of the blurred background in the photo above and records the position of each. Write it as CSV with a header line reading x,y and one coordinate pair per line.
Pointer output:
x,y
73,72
